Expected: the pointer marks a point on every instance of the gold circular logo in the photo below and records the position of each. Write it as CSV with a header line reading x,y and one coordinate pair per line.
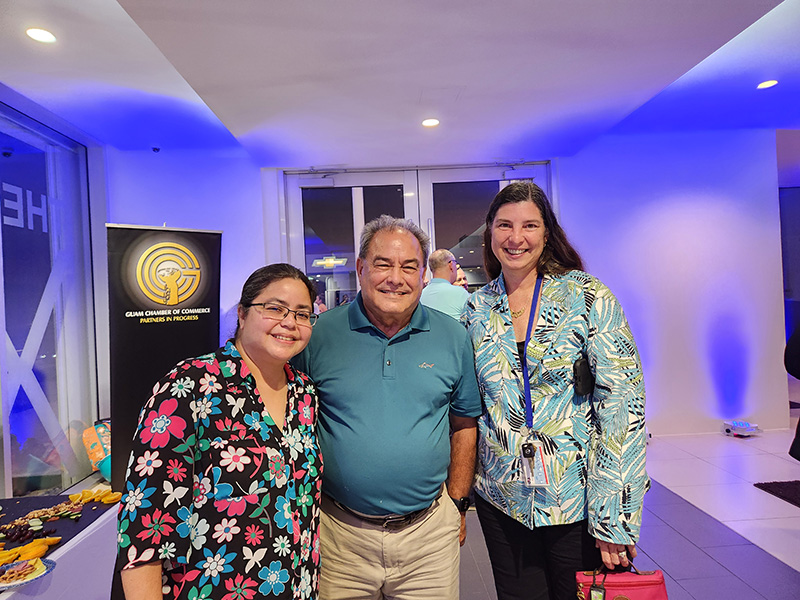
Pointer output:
x,y
168,273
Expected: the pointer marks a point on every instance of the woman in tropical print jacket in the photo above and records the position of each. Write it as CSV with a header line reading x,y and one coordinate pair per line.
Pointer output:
x,y
559,486
223,485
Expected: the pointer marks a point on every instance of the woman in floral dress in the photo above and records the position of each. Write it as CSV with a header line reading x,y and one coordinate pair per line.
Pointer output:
x,y
223,484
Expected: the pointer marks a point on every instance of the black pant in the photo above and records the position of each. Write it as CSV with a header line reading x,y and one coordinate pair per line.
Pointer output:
x,y
538,564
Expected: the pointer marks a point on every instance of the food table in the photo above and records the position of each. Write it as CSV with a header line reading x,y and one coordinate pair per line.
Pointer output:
x,y
84,559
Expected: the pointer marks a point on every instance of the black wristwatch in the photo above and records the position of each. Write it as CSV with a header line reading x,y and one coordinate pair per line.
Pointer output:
x,y
462,504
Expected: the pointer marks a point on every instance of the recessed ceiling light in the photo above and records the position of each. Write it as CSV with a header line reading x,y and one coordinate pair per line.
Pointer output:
x,y
767,84
430,122
41,35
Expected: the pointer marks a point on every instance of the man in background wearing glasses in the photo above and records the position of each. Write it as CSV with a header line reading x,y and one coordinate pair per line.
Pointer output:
x,y
442,293
393,379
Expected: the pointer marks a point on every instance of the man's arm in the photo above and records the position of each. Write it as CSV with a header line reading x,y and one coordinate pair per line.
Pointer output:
x,y
463,450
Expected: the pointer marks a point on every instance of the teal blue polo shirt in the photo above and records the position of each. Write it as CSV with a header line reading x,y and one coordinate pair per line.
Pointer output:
x,y
444,296
385,404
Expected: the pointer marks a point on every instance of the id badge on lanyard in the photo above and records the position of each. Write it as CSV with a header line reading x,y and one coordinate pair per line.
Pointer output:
x,y
534,471
532,459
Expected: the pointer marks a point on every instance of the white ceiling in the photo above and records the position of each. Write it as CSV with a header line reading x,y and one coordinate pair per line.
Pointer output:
x,y
347,83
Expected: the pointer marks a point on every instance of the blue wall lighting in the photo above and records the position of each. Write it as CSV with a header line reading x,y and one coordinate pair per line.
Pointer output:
x,y
728,363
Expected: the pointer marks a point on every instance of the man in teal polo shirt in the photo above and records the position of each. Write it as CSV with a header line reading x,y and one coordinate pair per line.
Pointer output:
x,y
394,379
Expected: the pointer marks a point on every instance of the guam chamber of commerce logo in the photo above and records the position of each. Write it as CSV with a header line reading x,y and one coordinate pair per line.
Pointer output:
x,y
168,273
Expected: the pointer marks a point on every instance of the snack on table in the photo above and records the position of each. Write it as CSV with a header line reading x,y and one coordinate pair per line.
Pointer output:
x,y
29,569
20,571
102,494
30,531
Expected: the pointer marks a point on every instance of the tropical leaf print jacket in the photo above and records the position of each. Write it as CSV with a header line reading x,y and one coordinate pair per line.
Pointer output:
x,y
594,445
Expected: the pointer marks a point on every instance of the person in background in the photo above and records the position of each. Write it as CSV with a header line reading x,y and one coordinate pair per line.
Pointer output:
x,y
394,378
461,278
441,293
319,305
223,484
561,462
791,360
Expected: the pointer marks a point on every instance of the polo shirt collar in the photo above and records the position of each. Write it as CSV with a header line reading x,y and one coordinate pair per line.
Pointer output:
x,y
439,281
359,320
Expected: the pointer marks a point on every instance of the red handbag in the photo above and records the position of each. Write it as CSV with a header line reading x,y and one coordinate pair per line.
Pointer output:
x,y
602,584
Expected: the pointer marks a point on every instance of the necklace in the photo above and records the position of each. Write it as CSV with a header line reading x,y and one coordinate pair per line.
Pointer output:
x,y
518,313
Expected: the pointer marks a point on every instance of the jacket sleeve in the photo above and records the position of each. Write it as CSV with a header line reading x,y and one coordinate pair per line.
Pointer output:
x,y
617,480
155,513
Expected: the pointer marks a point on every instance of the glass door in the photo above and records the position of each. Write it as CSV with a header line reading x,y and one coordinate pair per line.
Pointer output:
x,y
330,211
453,205
326,213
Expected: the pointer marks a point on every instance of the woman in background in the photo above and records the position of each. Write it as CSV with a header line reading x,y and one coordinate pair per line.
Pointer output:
x,y
561,475
223,484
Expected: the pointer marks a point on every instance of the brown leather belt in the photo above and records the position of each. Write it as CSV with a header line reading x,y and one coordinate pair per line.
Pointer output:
x,y
389,522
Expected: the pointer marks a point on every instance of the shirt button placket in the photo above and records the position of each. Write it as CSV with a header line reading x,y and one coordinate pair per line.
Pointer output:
x,y
388,362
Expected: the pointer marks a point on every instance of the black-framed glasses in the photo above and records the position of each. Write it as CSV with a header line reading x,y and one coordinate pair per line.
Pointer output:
x,y
276,312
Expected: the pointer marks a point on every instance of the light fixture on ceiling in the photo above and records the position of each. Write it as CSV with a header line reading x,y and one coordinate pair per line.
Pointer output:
x,y
430,122
767,84
41,35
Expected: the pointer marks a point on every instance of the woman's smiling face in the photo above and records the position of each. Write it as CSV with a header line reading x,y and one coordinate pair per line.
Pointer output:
x,y
518,237
267,340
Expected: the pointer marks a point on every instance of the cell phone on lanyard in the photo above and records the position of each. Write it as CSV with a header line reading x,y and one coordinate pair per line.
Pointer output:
x,y
582,377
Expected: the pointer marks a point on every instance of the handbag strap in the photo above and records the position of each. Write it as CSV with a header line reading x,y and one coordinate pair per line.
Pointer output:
x,y
604,571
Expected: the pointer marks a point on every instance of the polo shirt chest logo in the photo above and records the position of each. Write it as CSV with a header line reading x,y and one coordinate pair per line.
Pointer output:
x,y
426,365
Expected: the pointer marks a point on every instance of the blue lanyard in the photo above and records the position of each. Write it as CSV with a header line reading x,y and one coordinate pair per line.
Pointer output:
x,y
524,358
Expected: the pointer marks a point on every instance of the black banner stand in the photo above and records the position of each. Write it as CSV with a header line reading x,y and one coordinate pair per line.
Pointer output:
x,y
163,308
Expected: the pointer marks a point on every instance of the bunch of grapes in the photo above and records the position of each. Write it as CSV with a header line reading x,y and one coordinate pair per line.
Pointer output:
x,y
24,533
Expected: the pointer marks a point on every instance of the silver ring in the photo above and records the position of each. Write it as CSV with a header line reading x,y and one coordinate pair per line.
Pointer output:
x,y
622,554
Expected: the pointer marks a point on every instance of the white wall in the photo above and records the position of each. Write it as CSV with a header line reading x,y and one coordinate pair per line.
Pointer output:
x,y
684,228
217,191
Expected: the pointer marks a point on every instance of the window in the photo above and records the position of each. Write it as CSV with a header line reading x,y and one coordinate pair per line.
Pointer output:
x,y
48,381
327,213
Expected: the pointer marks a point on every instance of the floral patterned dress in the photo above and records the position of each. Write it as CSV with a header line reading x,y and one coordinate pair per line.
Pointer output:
x,y
227,500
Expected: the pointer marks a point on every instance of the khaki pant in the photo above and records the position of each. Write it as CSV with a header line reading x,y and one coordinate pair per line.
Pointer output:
x,y
363,561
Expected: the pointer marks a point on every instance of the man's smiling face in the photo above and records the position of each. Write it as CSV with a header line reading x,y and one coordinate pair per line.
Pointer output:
x,y
391,278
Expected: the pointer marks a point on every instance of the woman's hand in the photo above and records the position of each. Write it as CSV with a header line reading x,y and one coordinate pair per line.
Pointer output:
x,y
615,554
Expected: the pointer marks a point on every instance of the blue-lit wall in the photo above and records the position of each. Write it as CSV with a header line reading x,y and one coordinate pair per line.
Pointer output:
x,y
685,230
209,190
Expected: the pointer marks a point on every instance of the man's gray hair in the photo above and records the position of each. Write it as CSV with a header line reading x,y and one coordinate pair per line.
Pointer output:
x,y
390,223
440,259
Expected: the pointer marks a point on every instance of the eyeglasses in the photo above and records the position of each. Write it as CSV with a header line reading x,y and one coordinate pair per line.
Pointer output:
x,y
276,312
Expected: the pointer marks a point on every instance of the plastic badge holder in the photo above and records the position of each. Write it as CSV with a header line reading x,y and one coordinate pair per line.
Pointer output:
x,y
532,459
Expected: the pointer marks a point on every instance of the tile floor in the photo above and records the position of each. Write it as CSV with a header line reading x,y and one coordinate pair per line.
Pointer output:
x,y
713,533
